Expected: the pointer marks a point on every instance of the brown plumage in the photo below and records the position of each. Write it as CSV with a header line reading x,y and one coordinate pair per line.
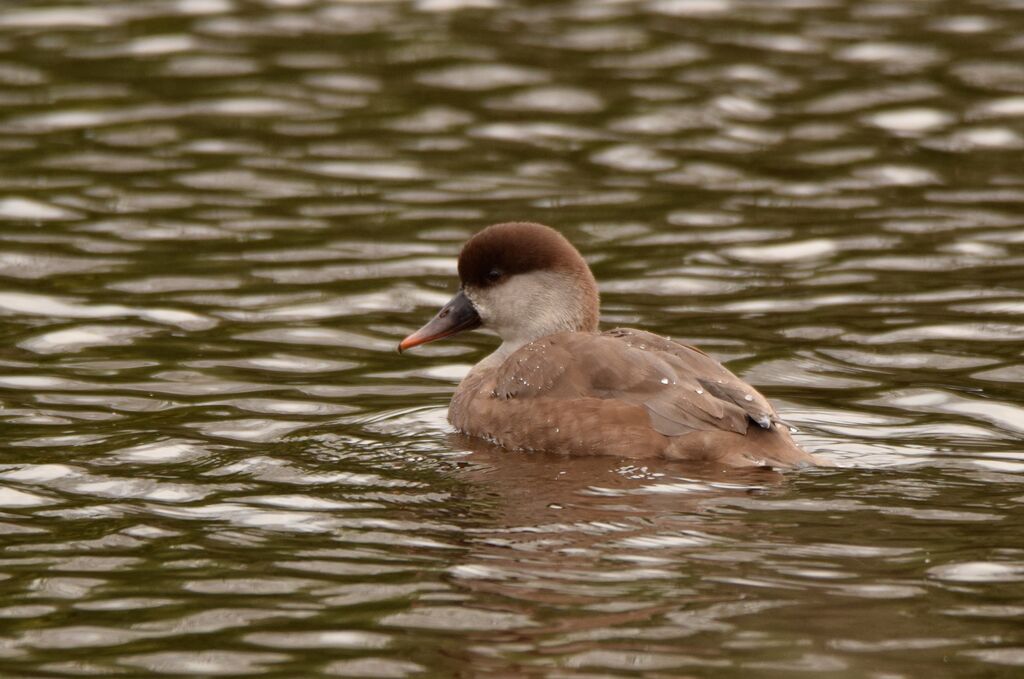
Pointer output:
x,y
557,384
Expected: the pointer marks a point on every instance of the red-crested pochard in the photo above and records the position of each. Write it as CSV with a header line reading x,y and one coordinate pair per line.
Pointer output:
x,y
558,384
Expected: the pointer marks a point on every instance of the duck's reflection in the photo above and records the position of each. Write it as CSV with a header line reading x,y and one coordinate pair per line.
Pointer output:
x,y
541,492
578,550
573,526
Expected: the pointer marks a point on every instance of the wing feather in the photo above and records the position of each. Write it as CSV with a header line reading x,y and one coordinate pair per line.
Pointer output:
x,y
682,389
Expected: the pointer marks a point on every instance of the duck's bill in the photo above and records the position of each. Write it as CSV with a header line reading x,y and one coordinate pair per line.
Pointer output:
x,y
454,317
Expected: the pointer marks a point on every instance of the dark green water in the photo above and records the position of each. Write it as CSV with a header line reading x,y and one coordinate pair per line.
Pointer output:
x,y
218,217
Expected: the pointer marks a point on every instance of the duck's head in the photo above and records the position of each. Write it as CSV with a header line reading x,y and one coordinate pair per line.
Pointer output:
x,y
522,280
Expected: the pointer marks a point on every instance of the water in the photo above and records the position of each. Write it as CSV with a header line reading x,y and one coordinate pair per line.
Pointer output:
x,y
219,217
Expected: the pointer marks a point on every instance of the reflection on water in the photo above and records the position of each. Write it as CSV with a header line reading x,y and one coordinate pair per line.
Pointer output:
x,y
217,218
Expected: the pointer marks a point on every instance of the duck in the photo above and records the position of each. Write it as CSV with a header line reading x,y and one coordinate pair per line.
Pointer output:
x,y
559,384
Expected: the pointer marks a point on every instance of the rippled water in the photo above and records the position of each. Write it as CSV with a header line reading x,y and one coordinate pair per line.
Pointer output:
x,y
217,218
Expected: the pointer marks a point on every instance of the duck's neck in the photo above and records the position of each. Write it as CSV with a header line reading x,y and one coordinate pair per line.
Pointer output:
x,y
499,355
536,305
539,304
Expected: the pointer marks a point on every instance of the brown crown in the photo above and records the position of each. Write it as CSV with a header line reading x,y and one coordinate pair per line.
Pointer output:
x,y
515,248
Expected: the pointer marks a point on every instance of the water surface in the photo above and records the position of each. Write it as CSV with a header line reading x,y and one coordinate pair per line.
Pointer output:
x,y
217,219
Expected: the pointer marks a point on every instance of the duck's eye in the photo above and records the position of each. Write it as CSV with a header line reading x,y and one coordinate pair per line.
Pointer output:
x,y
494,275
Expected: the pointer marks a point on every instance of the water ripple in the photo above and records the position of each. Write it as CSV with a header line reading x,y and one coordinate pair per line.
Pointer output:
x,y
219,218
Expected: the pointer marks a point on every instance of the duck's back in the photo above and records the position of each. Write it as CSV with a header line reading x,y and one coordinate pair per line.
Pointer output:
x,y
623,392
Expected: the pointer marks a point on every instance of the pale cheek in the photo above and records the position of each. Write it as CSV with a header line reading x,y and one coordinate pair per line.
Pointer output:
x,y
482,306
485,315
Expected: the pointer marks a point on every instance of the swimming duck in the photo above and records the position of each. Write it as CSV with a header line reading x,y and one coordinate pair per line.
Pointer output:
x,y
558,384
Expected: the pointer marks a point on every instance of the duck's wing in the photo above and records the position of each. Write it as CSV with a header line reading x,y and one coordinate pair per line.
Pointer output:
x,y
711,376
682,389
